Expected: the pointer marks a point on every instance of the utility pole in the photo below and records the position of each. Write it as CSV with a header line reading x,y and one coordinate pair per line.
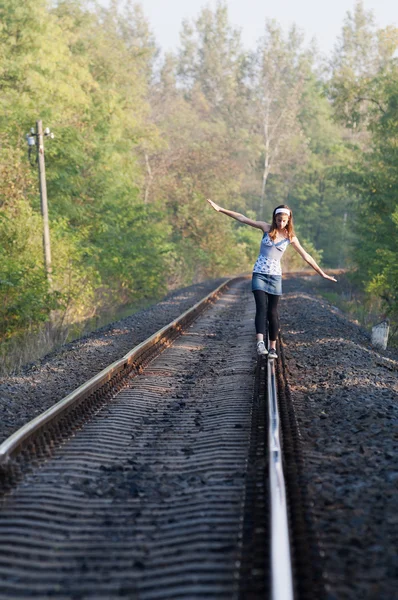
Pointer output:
x,y
43,199
36,138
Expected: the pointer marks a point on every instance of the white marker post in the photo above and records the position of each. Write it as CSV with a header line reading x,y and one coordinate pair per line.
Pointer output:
x,y
380,334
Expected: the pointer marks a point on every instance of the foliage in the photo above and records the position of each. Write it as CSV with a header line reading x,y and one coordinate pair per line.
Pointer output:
x,y
375,179
364,90
23,286
363,53
280,68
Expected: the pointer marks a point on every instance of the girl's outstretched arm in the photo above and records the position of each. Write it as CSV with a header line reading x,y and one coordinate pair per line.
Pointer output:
x,y
241,218
308,259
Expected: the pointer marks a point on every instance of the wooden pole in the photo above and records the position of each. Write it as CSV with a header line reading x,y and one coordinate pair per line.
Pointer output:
x,y
43,199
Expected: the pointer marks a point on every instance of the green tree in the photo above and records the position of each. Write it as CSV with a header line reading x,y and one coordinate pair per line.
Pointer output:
x,y
109,176
37,79
375,179
281,66
364,92
325,207
86,73
363,52
212,60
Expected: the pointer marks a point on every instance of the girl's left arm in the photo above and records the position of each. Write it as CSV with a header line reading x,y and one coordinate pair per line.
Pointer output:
x,y
308,259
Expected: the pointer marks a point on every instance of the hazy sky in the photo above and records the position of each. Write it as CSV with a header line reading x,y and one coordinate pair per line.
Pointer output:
x,y
322,19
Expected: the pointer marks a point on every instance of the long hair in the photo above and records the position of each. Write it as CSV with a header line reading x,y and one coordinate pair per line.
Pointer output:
x,y
289,227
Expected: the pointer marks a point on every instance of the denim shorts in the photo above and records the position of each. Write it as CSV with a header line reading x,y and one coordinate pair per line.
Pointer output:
x,y
272,284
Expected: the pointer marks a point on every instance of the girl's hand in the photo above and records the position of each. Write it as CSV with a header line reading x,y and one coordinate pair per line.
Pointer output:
x,y
214,205
329,277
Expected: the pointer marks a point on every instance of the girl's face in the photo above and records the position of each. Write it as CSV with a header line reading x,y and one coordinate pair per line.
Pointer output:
x,y
281,220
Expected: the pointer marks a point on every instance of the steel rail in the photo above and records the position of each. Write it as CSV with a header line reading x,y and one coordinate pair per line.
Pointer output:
x,y
128,362
281,563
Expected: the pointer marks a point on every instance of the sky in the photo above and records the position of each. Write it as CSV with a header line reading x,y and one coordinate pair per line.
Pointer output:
x,y
320,19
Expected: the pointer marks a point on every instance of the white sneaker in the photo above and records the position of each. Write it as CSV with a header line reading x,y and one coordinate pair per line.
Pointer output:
x,y
272,353
261,349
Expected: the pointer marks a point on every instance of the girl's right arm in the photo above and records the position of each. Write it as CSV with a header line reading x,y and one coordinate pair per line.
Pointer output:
x,y
241,218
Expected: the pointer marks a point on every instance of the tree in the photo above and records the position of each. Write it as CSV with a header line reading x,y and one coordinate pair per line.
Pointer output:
x,y
281,67
363,53
375,179
324,206
364,92
211,59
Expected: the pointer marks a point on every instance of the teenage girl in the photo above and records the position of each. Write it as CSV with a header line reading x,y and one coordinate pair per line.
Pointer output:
x,y
267,273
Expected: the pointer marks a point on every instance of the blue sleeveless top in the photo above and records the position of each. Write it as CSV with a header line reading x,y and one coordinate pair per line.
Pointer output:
x,y
269,259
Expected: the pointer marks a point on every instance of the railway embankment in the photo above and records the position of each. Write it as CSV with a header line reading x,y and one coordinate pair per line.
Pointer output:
x,y
41,384
344,394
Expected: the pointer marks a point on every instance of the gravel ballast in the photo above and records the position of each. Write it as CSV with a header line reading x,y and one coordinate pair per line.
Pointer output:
x,y
345,397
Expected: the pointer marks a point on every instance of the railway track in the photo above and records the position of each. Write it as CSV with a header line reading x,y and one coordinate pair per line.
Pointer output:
x,y
151,481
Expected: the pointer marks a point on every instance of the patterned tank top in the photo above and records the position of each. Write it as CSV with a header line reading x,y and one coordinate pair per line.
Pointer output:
x,y
269,259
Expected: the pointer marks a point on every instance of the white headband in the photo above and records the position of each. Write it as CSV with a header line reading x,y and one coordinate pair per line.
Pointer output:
x,y
283,210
